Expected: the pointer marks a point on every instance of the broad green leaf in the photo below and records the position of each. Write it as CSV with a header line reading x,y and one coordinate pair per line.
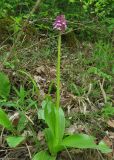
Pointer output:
x,y
84,141
61,126
56,122
44,104
49,115
55,119
4,85
72,1
50,139
43,155
79,141
53,148
41,114
22,122
103,147
14,141
41,111
4,121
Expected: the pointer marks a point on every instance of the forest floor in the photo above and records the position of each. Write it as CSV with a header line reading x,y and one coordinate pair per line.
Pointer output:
x,y
87,92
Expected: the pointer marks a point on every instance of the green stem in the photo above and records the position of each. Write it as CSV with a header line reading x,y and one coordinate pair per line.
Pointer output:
x,y
58,70
58,90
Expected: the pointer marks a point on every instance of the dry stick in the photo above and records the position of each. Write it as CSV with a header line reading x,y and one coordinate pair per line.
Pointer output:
x,y
90,88
29,151
103,91
29,119
100,155
2,47
68,153
1,136
7,39
21,31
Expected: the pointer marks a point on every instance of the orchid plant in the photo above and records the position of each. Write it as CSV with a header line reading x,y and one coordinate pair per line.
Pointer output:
x,y
53,116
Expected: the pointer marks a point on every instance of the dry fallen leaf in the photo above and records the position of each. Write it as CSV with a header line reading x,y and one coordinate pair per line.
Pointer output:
x,y
111,123
111,135
75,128
108,141
15,118
40,135
40,69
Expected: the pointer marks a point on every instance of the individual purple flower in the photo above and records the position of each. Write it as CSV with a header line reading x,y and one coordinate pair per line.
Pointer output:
x,y
60,23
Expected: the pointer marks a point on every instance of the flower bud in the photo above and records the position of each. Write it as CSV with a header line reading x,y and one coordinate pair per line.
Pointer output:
x,y
60,23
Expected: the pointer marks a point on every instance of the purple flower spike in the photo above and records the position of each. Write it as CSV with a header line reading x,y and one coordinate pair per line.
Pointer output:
x,y
60,23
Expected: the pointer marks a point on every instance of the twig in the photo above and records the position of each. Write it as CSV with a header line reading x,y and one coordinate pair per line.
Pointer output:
x,y
68,153
103,91
29,119
2,135
29,151
90,88
100,155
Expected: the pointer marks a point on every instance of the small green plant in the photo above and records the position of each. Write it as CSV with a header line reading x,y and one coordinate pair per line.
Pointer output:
x,y
107,111
14,139
101,8
76,90
53,116
15,124
96,71
4,86
103,55
24,100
